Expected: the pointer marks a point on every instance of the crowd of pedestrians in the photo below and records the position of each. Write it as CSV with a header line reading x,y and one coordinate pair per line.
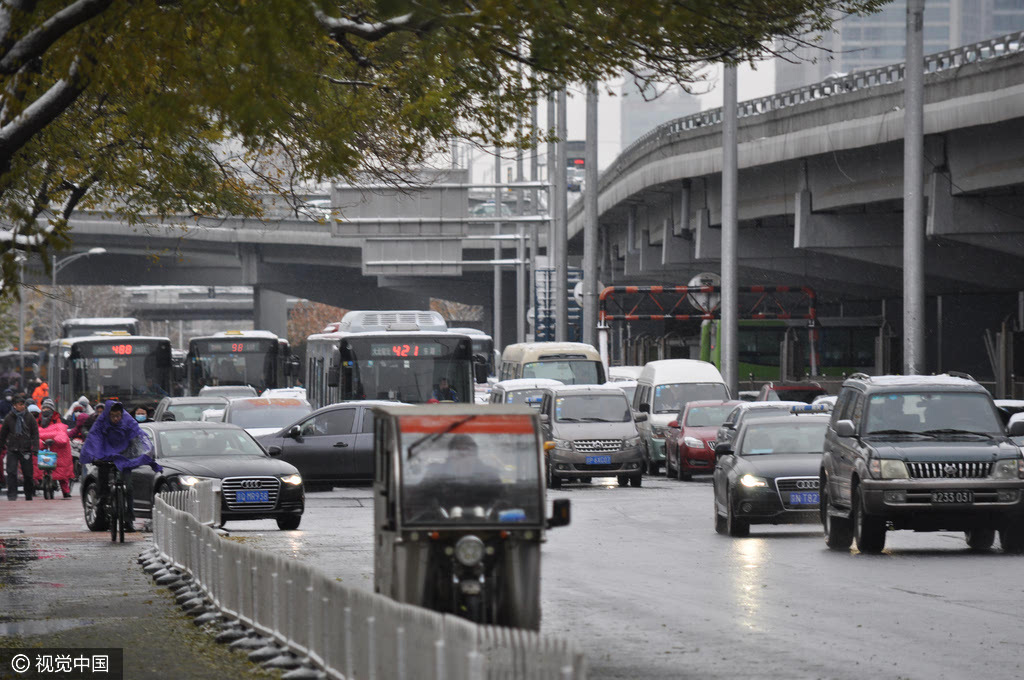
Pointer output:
x,y
32,422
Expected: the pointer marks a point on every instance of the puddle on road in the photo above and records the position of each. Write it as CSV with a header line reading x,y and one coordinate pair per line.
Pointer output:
x,y
16,551
24,628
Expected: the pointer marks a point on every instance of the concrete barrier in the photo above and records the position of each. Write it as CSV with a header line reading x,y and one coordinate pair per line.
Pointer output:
x,y
347,632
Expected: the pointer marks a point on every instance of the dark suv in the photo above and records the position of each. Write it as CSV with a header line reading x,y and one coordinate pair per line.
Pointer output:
x,y
926,453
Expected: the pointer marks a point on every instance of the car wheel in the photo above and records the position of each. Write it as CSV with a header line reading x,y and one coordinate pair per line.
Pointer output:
x,y
1011,539
289,522
980,540
838,532
554,481
623,480
95,516
868,531
654,468
637,480
734,525
720,527
682,475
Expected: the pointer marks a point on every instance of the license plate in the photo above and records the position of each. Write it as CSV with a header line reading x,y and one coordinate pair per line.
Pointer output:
x,y
804,498
962,496
252,496
599,460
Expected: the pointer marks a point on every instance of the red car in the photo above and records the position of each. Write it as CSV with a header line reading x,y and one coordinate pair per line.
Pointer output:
x,y
690,442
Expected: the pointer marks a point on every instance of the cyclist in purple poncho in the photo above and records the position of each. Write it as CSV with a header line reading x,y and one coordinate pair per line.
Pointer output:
x,y
116,441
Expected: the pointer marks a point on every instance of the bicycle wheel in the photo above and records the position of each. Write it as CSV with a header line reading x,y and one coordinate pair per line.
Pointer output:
x,y
122,511
112,510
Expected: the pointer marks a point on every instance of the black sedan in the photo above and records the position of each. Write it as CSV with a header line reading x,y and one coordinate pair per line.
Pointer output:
x,y
253,484
330,446
182,409
769,473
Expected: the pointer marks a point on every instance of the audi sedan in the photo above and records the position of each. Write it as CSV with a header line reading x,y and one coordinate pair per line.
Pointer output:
x,y
252,483
769,473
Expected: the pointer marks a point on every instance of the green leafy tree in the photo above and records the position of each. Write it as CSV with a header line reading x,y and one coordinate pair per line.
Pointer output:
x,y
192,107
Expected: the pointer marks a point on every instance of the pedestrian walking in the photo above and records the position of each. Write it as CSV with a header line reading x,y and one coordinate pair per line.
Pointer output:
x,y
52,429
20,434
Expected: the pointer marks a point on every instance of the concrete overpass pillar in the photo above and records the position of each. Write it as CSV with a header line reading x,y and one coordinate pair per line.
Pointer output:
x,y
270,311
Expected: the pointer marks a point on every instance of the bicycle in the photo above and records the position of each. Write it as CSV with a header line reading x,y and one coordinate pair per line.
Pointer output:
x,y
46,461
116,505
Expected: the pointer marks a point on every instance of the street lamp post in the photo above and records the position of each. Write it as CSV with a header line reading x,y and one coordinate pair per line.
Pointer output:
x,y
57,266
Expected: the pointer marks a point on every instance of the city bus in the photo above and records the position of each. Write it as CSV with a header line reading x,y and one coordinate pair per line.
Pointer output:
x,y
483,345
393,355
135,370
79,328
256,358
844,345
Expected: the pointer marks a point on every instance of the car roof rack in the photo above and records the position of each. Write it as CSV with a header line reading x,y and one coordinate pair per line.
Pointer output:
x,y
961,374
858,376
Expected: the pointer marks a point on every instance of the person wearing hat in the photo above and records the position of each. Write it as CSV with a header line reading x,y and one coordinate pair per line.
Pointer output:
x,y
33,409
20,434
53,434
8,402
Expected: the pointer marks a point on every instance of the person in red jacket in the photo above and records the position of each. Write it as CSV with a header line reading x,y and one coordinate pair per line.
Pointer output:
x,y
51,428
41,392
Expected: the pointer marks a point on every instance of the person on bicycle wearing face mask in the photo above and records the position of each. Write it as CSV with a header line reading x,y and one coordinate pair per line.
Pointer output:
x,y
117,441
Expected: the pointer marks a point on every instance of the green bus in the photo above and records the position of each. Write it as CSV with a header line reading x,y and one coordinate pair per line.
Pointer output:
x,y
843,345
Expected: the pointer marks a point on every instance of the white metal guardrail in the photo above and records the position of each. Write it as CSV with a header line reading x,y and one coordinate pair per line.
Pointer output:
x,y
349,633
202,501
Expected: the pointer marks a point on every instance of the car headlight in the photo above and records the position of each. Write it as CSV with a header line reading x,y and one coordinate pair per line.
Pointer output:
x,y
191,480
883,468
751,481
469,551
1008,468
631,442
693,442
294,480
563,443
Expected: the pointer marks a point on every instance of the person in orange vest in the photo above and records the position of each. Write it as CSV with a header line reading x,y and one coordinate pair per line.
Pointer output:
x,y
41,392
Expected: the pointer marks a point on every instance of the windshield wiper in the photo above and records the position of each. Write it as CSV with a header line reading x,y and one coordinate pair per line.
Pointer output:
x,y
570,420
434,436
950,430
595,419
923,434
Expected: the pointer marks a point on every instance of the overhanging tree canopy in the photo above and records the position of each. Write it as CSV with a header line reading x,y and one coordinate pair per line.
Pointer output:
x,y
199,106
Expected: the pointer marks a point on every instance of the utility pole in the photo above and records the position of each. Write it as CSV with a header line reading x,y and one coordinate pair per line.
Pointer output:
x,y
730,234
498,345
561,241
590,221
913,193
550,164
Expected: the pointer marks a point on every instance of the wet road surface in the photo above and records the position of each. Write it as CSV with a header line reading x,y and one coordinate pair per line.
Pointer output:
x,y
644,585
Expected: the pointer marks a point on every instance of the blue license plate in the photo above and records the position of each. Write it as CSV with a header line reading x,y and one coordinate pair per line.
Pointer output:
x,y
599,460
252,496
804,498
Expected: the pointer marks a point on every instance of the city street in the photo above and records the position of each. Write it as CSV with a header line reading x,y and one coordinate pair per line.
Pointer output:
x,y
644,585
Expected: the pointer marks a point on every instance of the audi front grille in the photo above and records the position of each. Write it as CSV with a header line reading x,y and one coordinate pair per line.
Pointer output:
x,y
788,485
961,469
231,485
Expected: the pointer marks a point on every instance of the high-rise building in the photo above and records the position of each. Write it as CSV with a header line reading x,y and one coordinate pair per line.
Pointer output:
x,y
866,42
638,115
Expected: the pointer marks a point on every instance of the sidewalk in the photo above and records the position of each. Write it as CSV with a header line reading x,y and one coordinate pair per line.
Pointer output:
x,y
62,585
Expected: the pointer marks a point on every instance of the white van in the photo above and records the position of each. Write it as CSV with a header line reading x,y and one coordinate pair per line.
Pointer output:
x,y
663,389
570,363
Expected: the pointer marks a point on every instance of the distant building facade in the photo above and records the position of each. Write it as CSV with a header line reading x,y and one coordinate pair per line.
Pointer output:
x,y
876,40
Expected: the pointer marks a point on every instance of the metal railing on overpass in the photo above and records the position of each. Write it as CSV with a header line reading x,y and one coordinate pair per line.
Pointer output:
x,y
830,87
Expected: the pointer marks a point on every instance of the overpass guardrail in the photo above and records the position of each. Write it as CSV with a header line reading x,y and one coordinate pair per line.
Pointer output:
x,y
346,632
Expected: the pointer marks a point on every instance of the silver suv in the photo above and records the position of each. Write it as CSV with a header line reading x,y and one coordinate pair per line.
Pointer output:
x,y
589,432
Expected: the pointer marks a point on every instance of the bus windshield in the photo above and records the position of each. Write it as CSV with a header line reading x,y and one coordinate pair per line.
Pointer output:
x,y
567,371
121,368
234,361
413,369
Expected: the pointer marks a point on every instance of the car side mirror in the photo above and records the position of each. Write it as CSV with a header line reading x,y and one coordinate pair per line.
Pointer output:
x,y
274,451
480,370
560,513
640,418
644,408
675,424
723,450
168,417
1017,428
294,432
545,418
845,428
65,376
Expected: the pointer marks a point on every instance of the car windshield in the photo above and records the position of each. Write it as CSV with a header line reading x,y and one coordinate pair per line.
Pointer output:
x,y
789,437
671,398
629,391
193,411
229,391
592,408
485,470
207,442
566,371
707,416
246,414
529,397
804,394
922,412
